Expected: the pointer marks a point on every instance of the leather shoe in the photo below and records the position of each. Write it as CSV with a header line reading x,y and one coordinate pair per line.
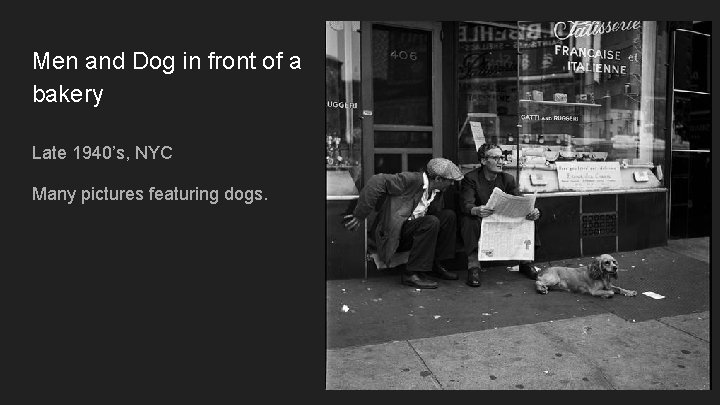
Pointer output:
x,y
440,271
473,279
528,270
414,280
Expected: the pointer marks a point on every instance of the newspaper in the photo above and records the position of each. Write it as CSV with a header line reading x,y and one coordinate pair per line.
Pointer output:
x,y
511,239
506,234
509,205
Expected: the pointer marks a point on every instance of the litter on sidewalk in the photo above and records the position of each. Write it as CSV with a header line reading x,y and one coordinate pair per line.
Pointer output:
x,y
653,295
517,268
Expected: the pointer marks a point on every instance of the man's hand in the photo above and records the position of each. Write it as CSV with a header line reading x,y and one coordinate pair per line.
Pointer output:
x,y
351,223
533,215
481,211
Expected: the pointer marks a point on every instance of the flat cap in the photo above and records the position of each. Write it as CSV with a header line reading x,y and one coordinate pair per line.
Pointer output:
x,y
444,168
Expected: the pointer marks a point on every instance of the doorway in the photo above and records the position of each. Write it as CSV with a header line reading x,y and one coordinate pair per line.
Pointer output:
x,y
690,183
401,85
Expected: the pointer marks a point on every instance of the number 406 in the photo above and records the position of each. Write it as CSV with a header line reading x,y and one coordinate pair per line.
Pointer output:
x,y
404,55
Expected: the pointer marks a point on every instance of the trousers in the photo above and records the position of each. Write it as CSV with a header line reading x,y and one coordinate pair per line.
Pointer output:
x,y
429,238
470,231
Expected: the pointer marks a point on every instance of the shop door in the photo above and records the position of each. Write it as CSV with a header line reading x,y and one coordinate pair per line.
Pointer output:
x,y
690,184
401,95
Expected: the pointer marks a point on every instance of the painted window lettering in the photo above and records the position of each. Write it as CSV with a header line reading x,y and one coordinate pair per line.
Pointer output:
x,y
580,29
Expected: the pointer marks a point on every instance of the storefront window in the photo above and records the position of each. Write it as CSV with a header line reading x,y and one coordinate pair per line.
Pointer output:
x,y
692,62
691,84
487,76
343,130
569,91
691,126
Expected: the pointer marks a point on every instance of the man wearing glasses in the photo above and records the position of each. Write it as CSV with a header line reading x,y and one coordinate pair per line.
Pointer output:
x,y
476,188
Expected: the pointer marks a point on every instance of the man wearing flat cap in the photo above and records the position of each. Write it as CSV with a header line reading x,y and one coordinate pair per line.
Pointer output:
x,y
411,217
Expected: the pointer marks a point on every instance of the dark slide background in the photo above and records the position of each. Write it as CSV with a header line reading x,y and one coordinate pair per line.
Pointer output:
x,y
153,300
168,297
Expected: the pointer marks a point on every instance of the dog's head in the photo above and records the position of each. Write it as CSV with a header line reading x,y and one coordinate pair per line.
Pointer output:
x,y
604,266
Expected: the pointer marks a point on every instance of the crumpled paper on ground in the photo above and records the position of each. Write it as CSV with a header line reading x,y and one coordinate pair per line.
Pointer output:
x,y
517,268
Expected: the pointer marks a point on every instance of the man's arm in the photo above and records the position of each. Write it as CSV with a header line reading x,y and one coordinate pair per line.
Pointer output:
x,y
467,194
376,188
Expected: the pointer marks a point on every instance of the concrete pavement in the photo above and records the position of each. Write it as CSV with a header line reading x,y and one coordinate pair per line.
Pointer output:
x,y
504,336
596,352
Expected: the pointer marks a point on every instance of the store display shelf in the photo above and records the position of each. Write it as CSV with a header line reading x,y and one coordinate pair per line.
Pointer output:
x,y
339,167
560,103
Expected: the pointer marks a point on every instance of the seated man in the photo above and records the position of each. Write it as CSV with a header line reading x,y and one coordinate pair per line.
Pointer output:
x,y
475,190
411,216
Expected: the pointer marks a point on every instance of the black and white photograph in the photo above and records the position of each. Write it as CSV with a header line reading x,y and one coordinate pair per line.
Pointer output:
x,y
517,205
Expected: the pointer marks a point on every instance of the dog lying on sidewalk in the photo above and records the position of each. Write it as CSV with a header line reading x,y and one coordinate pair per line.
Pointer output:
x,y
593,280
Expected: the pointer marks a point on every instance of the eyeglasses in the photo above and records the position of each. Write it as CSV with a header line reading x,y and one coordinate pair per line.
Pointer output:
x,y
497,159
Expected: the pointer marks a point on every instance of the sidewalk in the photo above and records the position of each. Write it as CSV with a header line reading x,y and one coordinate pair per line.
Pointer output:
x,y
504,335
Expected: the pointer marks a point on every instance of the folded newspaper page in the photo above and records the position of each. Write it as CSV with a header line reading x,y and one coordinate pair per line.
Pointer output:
x,y
510,205
506,234
506,238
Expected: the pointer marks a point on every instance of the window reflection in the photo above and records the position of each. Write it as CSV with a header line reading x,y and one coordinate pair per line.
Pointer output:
x,y
576,90
402,85
343,130
403,139
388,163
418,161
692,121
487,85
587,90
692,62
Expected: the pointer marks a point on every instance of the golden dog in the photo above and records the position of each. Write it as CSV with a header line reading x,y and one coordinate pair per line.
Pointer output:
x,y
594,279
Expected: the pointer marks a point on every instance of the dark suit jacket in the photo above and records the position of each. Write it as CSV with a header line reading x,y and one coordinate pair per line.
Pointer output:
x,y
475,189
394,197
